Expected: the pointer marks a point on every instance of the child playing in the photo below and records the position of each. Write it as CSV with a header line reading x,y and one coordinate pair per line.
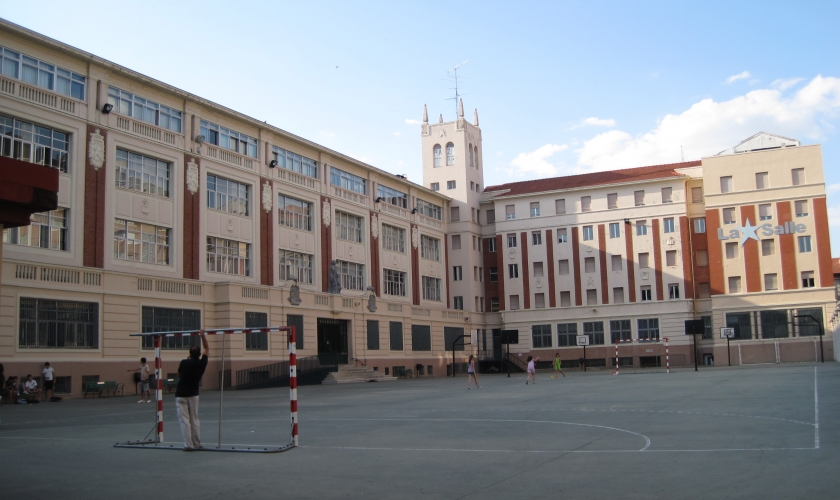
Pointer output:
x,y
532,371
557,369
471,373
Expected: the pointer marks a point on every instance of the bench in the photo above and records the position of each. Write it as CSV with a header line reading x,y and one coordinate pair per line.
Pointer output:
x,y
99,387
170,384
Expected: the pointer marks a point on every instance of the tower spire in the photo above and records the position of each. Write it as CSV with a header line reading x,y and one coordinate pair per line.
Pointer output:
x,y
460,108
425,115
475,116
440,118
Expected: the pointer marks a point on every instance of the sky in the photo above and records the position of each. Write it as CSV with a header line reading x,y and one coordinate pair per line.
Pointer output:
x,y
560,87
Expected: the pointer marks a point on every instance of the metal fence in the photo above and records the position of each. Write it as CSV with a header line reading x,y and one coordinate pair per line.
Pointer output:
x,y
310,371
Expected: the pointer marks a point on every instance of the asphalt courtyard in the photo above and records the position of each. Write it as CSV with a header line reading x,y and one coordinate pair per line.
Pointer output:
x,y
746,432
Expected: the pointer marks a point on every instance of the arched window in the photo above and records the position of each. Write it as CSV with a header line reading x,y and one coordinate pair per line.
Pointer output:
x,y
450,154
476,157
471,154
438,155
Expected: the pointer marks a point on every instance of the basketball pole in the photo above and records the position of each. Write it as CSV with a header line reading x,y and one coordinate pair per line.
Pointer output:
x,y
222,391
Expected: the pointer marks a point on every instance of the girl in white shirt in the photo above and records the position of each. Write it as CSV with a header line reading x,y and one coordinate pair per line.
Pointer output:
x,y
532,370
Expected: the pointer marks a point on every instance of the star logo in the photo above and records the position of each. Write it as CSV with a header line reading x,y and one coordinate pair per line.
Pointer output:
x,y
748,232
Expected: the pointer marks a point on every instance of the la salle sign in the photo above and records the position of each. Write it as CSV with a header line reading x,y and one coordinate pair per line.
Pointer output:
x,y
748,231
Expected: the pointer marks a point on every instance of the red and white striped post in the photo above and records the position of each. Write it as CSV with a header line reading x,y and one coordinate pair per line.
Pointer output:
x,y
615,372
667,357
293,383
159,391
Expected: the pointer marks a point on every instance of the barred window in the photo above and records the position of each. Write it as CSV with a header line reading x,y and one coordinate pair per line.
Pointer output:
x,y
394,282
392,196
228,256
228,139
352,275
450,154
141,173
294,213
163,319
141,242
227,195
393,238
431,288
33,143
62,324
541,335
295,265
566,334
348,181
429,248
42,74
256,341
46,230
143,109
349,227
595,331
295,162
429,209
620,330
649,329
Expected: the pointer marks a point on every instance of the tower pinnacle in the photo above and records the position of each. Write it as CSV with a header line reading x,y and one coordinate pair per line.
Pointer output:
x,y
460,108
425,115
475,116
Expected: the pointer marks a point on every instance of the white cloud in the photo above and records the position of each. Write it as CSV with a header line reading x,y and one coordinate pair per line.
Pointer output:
x,y
740,76
595,121
785,83
397,133
709,127
832,188
534,163
326,133
409,121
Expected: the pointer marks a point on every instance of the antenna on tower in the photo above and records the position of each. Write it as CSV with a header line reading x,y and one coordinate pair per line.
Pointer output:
x,y
454,78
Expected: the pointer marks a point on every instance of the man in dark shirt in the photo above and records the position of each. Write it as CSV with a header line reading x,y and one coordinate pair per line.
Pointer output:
x,y
190,372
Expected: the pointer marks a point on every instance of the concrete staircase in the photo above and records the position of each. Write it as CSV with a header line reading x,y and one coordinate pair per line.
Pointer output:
x,y
348,374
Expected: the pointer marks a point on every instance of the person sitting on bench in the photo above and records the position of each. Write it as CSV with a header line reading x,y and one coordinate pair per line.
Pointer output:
x,y
11,389
30,388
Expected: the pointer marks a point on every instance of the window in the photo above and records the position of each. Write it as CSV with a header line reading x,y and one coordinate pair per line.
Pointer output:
x,y
431,288
646,297
804,244
734,284
797,176
144,109
566,334
373,334
643,260
162,319
228,196
348,181
668,224
58,324
565,299
620,330
421,338
228,256
591,297
595,331
393,238
469,148
726,184
671,258
616,262
562,235
33,143
437,152
768,247
349,227
615,230
585,203
457,273
541,336
454,214
774,324
394,282
765,211
801,207
761,180
295,162
673,291
618,295
510,212
352,275
141,242
450,154
704,290
807,279
429,248
429,210
228,139
513,271
491,244
666,195
458,303
729,216
560,206
494,274
494,305
648,329
732,250
435,186
612,200
641,228
514,302
295,266
563,266
536,238
702,258
294,213
707,331
771,281
491,216
141,173
256,341
700,225
697,195
588,234
742,324
589,264
41,74
511,240
535,209
539,301
45,230
395,330
392,196
538,269
639,198
450,184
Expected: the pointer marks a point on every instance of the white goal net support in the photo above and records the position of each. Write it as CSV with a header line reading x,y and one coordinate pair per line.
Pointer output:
x,y
658,348
156,442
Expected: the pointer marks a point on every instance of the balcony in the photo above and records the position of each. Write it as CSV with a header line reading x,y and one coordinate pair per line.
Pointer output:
x,y
146,130
297,179
428,221
351,196
43,97
229,157
393,210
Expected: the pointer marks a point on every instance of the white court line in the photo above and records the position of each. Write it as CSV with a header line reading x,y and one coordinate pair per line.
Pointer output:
x,y
372,448
816,413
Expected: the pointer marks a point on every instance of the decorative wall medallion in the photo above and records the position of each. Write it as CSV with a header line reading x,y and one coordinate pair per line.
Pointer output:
x,y
415,237
297,240
590,282
395,260
230,225
425,129
96,150
442,132
371,299
539,283
671,241
145,207
512,253
326,213
350,251
645,275
374,226
294,294
266,197
460,123
192,176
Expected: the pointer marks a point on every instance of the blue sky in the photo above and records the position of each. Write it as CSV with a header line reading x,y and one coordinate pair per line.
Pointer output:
x,y
561,87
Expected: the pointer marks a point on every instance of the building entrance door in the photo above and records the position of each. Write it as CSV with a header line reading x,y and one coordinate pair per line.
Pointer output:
x,y
497,344
332,341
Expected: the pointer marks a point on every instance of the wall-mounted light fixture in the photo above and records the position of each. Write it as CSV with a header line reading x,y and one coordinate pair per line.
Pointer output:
x,y
627,221
272,163
414,210
199,139
106,109
378,199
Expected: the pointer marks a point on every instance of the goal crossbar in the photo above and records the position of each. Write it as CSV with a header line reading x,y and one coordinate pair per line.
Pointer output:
x,y
158,443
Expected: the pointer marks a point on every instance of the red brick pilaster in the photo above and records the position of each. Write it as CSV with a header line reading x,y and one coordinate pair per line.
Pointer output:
x,y
716,284
549,252
326,244
94,225
657,259
500,265
415,267
526,272
787,247
192,214
602,254
826,278
267,249
687,257
631,262
375,268
752,266
576,266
